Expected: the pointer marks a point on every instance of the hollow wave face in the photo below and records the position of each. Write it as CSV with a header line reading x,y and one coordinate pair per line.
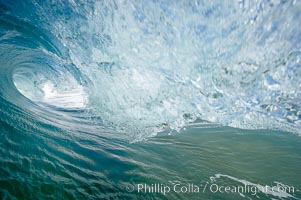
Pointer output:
x,y
145,66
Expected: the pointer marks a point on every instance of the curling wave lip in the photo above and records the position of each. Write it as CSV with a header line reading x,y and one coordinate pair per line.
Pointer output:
x,y
68,94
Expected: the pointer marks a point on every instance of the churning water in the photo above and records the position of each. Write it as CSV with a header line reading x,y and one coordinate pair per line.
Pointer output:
x,y
99,95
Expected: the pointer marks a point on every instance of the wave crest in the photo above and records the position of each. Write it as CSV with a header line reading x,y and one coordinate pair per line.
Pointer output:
x,y
147,65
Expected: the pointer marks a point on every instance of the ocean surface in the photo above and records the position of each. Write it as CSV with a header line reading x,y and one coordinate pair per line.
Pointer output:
x,y
150,99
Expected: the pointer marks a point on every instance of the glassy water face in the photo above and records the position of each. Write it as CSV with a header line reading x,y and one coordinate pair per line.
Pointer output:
x,y
121,99
196,164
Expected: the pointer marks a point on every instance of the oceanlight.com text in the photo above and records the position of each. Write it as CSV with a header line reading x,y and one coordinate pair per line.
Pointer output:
x,y
159,188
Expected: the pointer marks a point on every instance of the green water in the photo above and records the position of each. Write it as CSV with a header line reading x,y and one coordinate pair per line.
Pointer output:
x,y
259,157
198,160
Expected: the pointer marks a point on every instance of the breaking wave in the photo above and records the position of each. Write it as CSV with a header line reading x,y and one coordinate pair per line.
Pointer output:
x,y
140,67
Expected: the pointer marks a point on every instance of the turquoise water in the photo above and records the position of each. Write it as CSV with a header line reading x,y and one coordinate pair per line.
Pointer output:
x,y
35,166
150,99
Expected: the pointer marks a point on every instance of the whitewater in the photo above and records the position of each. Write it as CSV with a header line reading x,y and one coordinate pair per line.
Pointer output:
x,y
95,77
